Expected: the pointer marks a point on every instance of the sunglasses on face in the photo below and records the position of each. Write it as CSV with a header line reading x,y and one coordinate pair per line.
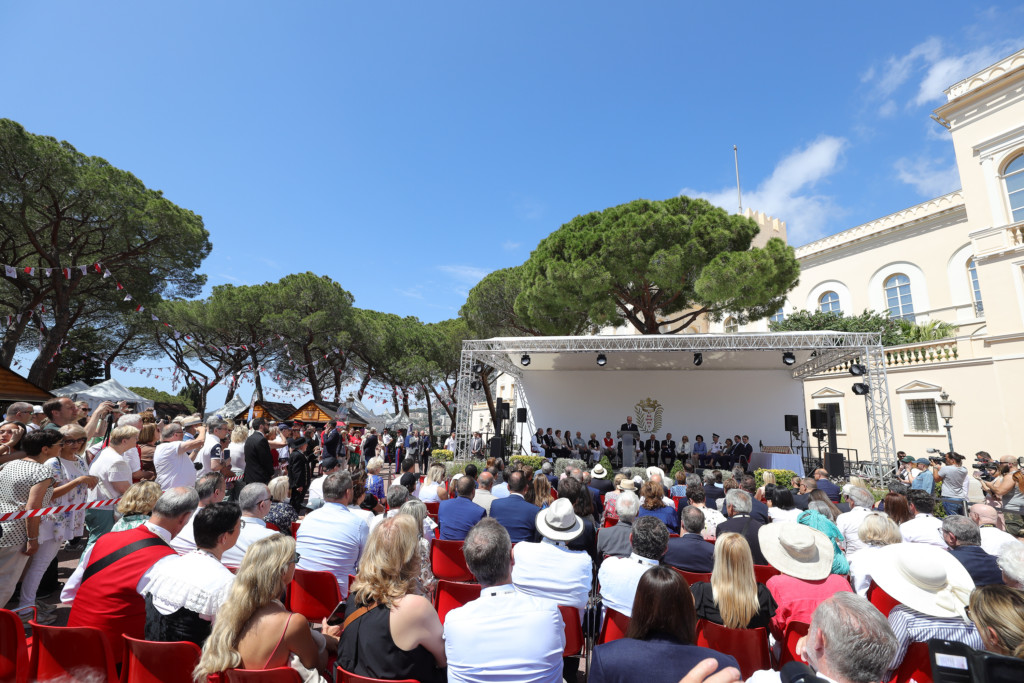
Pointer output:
x,y
71,442
295,558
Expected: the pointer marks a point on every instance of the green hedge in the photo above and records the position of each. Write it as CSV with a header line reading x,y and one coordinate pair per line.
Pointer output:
x,y
606,463
442,455
562,463
782,477
534,461
453,468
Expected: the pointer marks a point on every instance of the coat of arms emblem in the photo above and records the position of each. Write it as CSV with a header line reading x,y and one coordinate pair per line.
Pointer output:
x,y
648,415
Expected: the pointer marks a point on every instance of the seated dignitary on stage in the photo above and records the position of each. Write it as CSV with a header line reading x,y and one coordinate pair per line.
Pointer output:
x,y
659,644
332,538
619,576
458,515
514,513
690,552
549,569
478,634
737,506
652,449
211,488
254,501
668,452
186,592
614,540
109,596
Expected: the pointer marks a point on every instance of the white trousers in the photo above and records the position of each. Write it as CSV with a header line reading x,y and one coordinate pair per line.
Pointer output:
x,y
37,566
12,562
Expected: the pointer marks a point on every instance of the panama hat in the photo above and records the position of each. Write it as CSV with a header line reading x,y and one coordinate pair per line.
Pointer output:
x,y
599,472
558,521
627,485
654,469
925,578
796,550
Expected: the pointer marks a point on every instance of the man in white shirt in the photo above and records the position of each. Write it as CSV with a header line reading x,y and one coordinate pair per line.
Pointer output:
x,y
332,538
549,569
255,503
174,466
329,465
211,488
924,528
478,635
619,576
449,443
211,456
992,538
483,496
397,496
861,501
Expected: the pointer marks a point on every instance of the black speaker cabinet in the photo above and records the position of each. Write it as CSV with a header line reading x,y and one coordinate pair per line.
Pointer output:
x,y
792,423
521,415
497,447
819,419
835,465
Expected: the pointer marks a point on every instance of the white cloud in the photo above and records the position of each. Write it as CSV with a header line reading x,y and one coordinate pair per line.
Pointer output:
x,y
787,193
930,177
510,245
413,292
888,109
949,70
468,274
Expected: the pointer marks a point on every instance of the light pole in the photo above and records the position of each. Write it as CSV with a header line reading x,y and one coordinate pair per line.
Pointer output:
x,y
945,407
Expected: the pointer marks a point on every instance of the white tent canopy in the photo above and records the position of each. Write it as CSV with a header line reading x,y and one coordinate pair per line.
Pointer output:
x,y
233,407
73,388
112,390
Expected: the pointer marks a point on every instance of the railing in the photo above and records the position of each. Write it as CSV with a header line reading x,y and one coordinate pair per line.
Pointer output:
x,y
1015,234
922,353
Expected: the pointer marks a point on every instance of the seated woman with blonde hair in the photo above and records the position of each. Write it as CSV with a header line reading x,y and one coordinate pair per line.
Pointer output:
x,y
390,632
253,630
733,597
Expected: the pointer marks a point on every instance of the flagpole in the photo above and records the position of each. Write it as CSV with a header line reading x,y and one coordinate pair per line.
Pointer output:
x,y
736,159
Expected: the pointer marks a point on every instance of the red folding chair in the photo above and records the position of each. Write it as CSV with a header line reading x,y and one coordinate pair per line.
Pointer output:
x,y
452,594
795,630
349,677
610,521
574,639
295,529
432,509
763,572
273,527
282,674
13,648
148,662
748,645
447,561
880,599
314,595
677,500
614,627
916,665
70,653
693,577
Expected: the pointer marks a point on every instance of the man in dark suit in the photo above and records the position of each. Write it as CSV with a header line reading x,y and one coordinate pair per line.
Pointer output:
x,y
458,515
614,540
259,465
758,510
742,451
370,445
668,452
963,536
600,481
652,448
628,426
331,439
830,489
712,492
690,552
803,492
425,448
737,508
515,514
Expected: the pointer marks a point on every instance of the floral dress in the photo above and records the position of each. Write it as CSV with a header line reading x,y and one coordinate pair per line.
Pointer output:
x,y
375,485
282,515
65,526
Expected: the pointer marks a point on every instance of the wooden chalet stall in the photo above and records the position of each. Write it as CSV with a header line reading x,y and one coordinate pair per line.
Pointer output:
x,y
14,388
274,412
315,412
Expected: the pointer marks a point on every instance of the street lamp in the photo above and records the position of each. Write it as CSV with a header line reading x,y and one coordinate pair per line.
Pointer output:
x,y
945,407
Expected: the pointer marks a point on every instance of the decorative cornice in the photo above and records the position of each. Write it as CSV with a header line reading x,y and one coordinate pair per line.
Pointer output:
x,y
1014,61
914,214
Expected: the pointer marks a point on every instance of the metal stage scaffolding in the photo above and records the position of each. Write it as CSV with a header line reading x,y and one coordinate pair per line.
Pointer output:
x,y
827,352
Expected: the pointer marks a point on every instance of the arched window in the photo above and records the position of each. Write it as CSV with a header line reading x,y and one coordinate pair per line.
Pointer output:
x,y
779,316
897,297
829,303
731,326
972,277
1013,176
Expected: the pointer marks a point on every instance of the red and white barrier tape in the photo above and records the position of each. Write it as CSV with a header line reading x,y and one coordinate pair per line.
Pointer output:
x,y
39,512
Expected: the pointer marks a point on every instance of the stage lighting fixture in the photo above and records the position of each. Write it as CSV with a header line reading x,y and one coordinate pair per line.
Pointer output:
x,y
476,385
525,360
698,358
478,368
856,369
789,358
861,388
602,359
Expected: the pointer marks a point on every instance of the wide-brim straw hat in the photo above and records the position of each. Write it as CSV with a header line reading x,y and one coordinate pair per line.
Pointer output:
x,y
925,578
558,521
654,469
796,550
599,472
627,485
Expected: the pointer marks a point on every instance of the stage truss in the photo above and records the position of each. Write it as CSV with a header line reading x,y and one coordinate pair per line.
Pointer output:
x,y
830,350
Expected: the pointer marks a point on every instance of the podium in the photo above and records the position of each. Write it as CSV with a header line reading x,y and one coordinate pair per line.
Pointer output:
x,y
627,437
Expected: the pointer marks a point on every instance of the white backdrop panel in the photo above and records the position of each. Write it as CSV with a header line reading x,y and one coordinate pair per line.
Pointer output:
x,y
728,402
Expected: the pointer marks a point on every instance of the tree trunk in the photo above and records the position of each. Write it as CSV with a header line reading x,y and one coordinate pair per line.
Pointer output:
x,y
394,398
362,385
43,372
485,379
405,403
9,345
337,386
314,381
430,413
256,377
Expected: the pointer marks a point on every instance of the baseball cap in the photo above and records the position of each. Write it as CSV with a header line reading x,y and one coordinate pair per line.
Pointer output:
x,y
284,425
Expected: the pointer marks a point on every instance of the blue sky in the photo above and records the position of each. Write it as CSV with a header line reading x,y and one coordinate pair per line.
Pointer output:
x,y
406,149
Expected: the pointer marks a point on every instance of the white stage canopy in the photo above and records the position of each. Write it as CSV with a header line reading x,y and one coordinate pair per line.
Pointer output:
x,y
233,407
112,390
742,384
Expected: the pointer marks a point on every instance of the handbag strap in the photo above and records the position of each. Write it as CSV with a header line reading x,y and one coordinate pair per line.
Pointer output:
x,y
358,613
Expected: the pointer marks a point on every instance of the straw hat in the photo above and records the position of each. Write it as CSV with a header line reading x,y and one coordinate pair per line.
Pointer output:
x,y
654,469
599,472
627,485
925,578
796,550
558,521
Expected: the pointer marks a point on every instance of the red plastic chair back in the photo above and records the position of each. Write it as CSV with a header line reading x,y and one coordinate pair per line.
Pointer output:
x,y
614,627
148,662
295,529
314,595
677,500
574,640
916,665
282,674
452,594
880,599
748,645
693,577
610,521
273,527
447,561
68,653
554,494
346,677
13,649
795,630
763,572
432,509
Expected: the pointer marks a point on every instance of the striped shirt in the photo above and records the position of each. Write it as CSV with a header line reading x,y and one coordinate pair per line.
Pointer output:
x,y
911,626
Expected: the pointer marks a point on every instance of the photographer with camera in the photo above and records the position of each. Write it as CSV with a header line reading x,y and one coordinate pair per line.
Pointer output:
x,y
953,476
1009,486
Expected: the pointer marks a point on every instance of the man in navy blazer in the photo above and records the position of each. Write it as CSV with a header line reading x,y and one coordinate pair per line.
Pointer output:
x,y
824,484
737,508
758,510
963,536
458,515
690,552
515,514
